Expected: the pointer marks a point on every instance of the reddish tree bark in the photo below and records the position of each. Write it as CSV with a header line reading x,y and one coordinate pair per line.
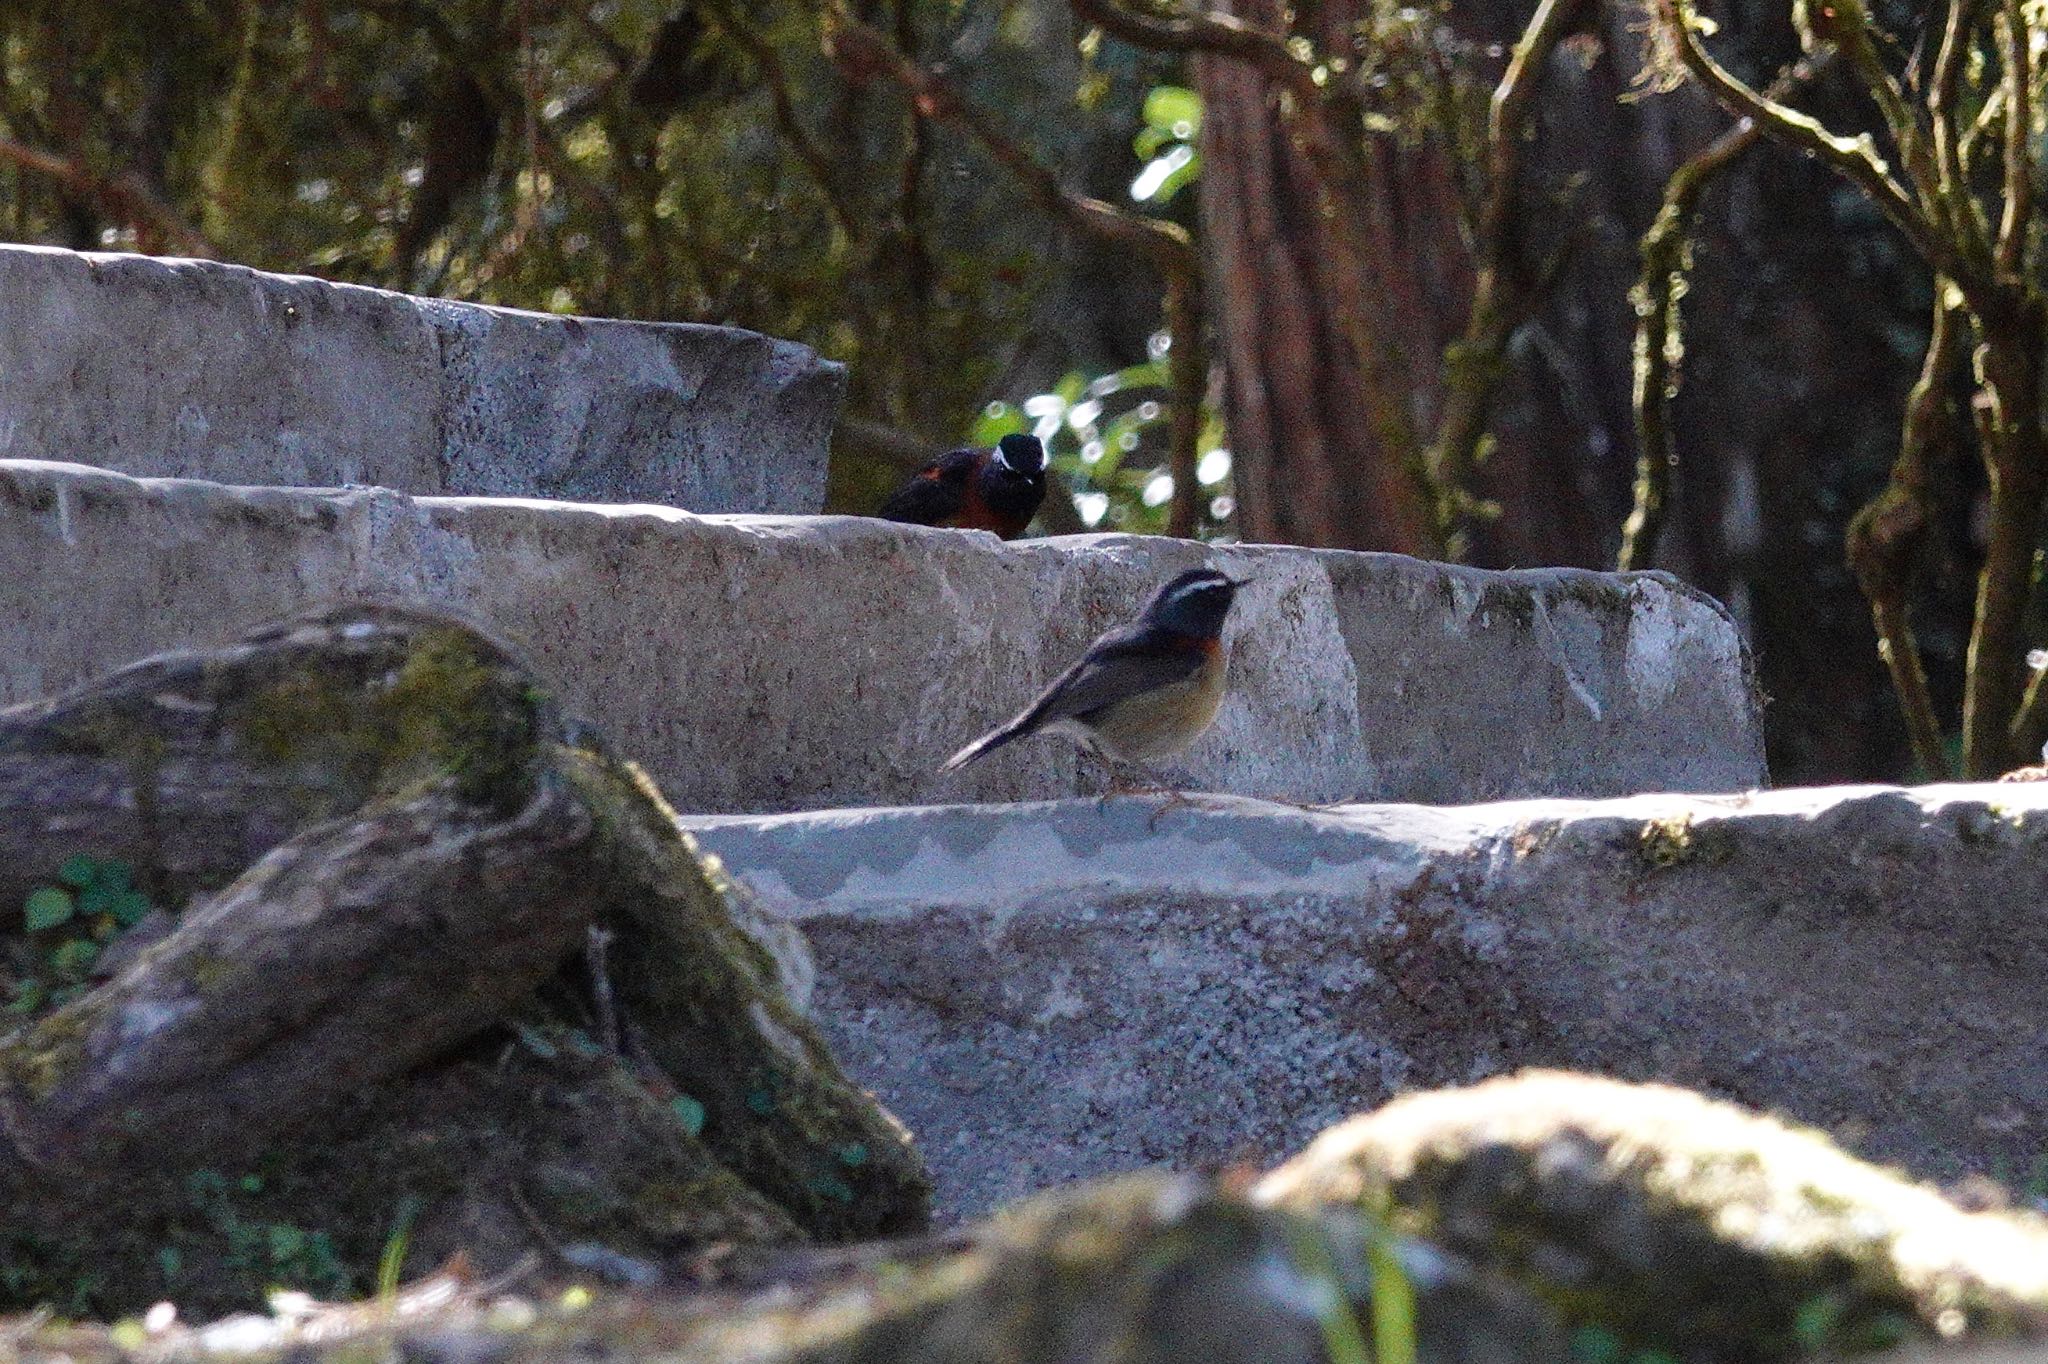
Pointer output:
x,y
1334,304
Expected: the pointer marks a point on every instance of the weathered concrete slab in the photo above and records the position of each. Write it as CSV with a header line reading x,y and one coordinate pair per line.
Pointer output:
x,y
769,664
1054,991
203,370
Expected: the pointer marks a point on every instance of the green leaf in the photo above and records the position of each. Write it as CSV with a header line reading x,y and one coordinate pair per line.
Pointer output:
x,y
1393,1306
1150,373
1172,106
827,1186
689,1112
130,907
1596,1345
287,1242
73,960
1183,174
27,996
853,1155
46,908
170,1262
996,421
115,875
78,872
95,900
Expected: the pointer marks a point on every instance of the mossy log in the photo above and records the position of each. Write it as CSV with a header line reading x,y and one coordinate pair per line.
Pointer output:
x,y
1147,1269
439,964
1666,1221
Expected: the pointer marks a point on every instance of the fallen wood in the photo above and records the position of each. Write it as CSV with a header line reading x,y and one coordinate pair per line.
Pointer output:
x,y
390,858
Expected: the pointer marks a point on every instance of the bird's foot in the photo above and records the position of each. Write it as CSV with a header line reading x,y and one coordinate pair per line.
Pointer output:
x,y
1175,800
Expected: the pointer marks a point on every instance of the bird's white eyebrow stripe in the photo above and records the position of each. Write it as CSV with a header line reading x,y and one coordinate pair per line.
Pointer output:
x,y
1198,585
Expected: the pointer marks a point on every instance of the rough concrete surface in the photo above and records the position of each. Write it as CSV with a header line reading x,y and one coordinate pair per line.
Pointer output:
x,y
198,369
1055,991
756,663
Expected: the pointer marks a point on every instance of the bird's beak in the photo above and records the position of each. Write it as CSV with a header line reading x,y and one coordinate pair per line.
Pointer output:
x,y
1239,582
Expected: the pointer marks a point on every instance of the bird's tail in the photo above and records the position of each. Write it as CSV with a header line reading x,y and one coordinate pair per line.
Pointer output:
x,y
994,739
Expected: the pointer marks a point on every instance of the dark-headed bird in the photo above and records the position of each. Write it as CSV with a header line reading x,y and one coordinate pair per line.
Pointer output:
x,y
1142,691
997,489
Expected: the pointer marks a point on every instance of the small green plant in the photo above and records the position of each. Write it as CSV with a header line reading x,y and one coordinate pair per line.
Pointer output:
x,y
391,1264
280,1254
65,927
1666,842
1166,144
1107,436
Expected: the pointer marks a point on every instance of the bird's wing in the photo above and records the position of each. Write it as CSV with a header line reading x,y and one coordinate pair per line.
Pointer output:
x,y
1126,662
934,494
1123,663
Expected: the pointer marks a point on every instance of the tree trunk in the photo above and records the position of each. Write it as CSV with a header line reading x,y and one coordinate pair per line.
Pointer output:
x,y
1333,305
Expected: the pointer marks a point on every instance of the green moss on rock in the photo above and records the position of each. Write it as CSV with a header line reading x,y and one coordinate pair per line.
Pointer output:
x,y
1678,1223
618,1111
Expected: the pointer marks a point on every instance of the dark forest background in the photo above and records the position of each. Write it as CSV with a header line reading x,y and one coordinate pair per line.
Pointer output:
x,y
1034,212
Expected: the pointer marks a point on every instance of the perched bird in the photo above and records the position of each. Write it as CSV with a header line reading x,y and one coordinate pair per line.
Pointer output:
x,y
1143,690
997,489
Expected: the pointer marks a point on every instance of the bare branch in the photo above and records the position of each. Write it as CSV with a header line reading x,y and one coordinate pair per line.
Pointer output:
x,y
1656,295
1854,158
1884,539
1166,245
2019,164
1502,298
123,198
1223,35
806,148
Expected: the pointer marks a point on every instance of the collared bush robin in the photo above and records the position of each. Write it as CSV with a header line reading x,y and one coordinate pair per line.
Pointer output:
x,y
1143,690
997,489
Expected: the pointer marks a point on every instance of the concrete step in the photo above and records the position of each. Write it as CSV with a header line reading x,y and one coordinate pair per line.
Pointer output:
x,y
778,663
1046,992
199,369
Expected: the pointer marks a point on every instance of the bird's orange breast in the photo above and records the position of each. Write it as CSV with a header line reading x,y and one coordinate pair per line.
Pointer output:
x,y
976,514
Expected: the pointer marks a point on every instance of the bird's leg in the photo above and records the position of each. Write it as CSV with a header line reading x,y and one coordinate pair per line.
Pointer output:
x,y
1149,783
1119,785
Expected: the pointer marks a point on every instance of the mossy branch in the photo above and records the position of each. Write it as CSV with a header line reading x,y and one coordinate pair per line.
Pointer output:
x,y
1659,346
1214,33
2010,344
1854,158
1962,214
1886,537
432,843
1503,295
124,198
2016,50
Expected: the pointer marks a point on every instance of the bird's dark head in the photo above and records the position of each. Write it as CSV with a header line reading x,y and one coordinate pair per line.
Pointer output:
x,y
1013,483
1194,604
1019,457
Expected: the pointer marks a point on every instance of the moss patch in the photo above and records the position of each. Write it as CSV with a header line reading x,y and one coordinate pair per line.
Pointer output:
x,y
654,1098
1672,1222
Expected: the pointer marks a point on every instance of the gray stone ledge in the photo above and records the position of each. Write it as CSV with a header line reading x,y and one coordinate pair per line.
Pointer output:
x,y
198,369
1052,991
763,663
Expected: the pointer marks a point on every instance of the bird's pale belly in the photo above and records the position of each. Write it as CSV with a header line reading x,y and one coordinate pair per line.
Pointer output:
x,y
1165,721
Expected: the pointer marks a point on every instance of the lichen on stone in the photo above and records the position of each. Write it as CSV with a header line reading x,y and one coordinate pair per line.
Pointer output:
x,y
1676,1222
